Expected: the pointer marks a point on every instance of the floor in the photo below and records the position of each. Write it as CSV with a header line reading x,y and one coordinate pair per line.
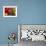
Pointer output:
x,y
7,45
30,43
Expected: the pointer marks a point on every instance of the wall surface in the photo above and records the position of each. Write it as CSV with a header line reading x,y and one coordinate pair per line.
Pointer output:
x,y
28,12
7,25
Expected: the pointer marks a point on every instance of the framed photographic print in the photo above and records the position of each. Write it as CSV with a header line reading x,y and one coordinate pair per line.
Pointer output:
x,y
33,32
9,11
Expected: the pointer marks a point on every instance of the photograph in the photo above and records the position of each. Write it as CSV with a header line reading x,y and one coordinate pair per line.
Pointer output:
x,y
30,33
9,11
